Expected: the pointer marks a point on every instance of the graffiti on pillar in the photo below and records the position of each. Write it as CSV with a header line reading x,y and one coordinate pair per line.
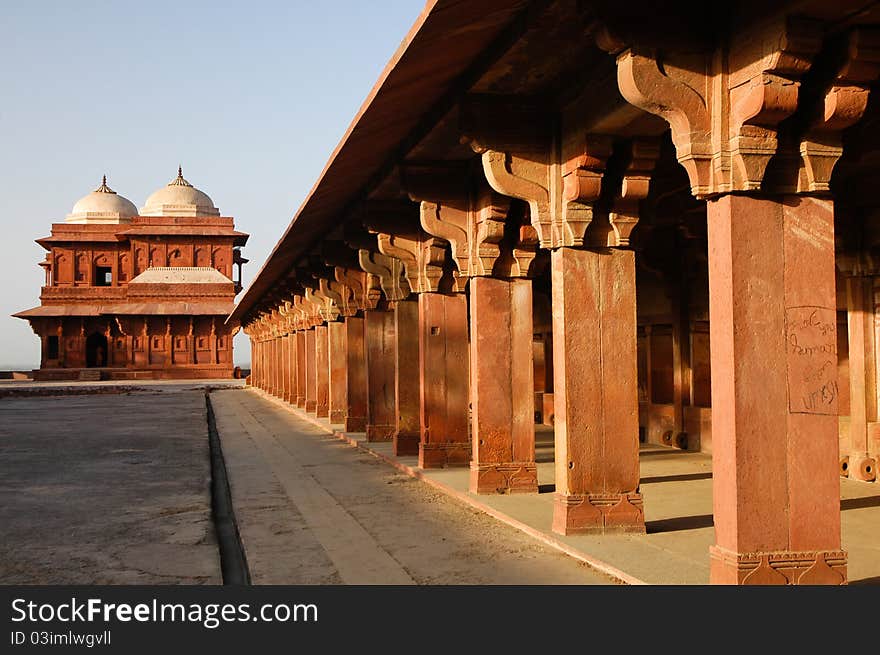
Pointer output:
x,y
811,356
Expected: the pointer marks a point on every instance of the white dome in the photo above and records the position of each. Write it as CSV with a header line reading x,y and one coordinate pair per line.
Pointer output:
x,y
103,205
179,198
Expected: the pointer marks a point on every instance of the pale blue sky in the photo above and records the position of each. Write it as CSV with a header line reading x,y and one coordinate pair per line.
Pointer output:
x,y
250,97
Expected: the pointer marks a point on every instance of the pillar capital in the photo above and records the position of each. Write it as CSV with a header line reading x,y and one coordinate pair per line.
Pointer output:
x,y
324,307
486,238
389,271
729,110
423,259
362,290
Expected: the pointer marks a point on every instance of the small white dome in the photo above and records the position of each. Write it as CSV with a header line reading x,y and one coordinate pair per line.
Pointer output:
x,y
179,198
103,205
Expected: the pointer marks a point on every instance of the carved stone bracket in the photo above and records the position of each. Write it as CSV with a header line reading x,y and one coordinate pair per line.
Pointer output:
x,y
843,106
478,236
423,260
325,307
725,109
358,290
389,271
560,196
624,214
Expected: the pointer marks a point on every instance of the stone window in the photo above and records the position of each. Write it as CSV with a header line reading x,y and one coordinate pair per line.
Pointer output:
x,y
103,276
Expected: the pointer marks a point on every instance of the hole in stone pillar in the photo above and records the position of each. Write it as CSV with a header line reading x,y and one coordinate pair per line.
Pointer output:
x,y
867,469
844,466
435,330
482,442
571,465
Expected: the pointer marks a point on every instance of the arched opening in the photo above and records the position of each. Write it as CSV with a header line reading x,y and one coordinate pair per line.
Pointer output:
x,y
96,350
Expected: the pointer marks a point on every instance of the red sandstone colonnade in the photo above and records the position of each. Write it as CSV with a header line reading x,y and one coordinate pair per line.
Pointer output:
x,y
641,232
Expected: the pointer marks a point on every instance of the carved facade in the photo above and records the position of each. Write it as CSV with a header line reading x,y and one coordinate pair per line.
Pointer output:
x,y
132,295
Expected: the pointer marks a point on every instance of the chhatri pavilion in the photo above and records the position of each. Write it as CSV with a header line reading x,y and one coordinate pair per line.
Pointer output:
x,y
139,295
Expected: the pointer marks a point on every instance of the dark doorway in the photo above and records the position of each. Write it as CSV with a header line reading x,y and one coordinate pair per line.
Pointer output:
x,y
96,350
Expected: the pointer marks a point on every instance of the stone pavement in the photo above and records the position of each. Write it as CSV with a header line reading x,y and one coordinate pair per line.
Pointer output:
x,y
677,490
107,489
312,510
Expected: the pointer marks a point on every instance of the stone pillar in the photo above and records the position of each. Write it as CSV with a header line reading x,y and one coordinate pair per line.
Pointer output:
x,y
311,372
301,368
406,380
338,363
502,398
264,376
322,372
266,368
355,375
381,409
774,392
278,374
862,375
273,366
292,372
595,392
443,371
285,368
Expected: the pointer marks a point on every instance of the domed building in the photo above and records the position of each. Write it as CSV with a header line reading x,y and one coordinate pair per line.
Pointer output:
x,y
139,295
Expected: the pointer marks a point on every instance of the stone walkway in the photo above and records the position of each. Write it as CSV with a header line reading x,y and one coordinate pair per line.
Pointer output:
x,y
677,490
312,510
106,489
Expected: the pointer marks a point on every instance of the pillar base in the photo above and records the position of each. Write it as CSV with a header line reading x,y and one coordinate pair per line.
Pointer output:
x,y
504,478
826,567
300,401
337,416
406,443
322,411
380,432
598,514
355,424
442,455
311,405
862,467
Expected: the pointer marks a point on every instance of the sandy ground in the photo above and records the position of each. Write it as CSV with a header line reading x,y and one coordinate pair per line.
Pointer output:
x,y
312,510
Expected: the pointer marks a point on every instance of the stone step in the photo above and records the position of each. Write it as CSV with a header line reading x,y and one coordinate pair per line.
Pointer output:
x,y
90,375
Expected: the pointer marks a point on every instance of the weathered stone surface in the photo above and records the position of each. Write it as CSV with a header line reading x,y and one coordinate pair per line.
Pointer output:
x,y
406,381
774,396
75,522
502,397
381,411
356,375
338,367
443,367
301,368
311,371
595,392
322,372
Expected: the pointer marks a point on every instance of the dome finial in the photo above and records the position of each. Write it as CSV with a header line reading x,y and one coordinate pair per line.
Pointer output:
x,y
179,181
104,188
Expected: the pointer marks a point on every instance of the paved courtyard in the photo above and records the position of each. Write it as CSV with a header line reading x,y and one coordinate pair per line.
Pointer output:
x,y
107,489
114,488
